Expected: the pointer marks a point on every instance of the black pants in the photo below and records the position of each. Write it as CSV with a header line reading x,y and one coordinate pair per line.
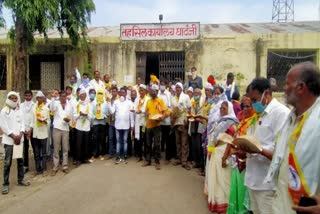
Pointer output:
x,y
26,150
153,137
172,137
82,153
168,142
130,141
197,151
72,142
140,144
99,146
7,165
40,154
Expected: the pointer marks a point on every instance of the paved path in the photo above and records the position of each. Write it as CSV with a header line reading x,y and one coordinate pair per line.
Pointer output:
x,y
103,187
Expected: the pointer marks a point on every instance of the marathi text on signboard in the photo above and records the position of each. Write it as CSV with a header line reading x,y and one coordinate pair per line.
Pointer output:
x,y
168,31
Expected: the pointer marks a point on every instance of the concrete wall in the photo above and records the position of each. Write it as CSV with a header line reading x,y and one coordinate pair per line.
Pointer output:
x,y
212,54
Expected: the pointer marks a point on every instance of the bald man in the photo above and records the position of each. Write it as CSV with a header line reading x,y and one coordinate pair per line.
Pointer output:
x,y
295,165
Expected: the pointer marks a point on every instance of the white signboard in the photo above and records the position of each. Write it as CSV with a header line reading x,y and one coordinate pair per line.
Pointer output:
x,y
168,31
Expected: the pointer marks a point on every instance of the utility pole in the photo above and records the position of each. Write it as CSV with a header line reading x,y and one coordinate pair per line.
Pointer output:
x,y
283,11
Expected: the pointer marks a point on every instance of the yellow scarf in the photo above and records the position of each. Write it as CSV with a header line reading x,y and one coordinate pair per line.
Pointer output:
x,y
297,186
83,122
38,115
100,99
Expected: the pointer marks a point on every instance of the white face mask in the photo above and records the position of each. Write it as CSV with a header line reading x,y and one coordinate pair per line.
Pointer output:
x,y
122,99
162,88
11,104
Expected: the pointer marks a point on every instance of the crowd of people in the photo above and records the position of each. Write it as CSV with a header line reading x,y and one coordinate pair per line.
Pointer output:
x,y
184,124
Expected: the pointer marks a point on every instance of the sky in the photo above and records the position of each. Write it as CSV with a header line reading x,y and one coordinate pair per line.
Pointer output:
x,y
114,12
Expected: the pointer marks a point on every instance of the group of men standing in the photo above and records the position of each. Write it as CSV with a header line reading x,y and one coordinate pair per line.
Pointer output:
x,y
159,118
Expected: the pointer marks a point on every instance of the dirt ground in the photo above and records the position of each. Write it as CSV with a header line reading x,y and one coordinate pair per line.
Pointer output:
x,y
103,187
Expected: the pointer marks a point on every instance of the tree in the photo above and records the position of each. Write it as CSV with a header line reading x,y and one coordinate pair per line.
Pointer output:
x,y
30,16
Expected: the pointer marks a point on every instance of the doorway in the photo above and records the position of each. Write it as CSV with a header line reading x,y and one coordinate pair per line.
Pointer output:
x,y
46,72
165,65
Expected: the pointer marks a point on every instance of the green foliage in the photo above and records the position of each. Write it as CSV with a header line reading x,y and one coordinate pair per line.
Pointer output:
x,y
43,15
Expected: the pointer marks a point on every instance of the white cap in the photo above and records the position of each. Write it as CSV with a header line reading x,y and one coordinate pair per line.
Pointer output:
x,y
209,86
154,87
82,91
190,89
173,87
189,73
114,82
40,94
143,86
12,93
179,84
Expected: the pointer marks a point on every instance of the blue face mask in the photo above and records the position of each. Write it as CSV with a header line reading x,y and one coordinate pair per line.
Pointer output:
x,y
92,96
210,101
196,97
258,107
86,82
72,82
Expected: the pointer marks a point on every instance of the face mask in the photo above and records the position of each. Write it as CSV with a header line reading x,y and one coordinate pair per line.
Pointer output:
x,y
122,99
72,82
85,82
11,104
68,97
162,87
92,96
210,101
197,97
258,107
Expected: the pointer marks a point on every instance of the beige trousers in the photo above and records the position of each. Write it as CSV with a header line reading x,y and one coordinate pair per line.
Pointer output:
x,y
261,201
60,137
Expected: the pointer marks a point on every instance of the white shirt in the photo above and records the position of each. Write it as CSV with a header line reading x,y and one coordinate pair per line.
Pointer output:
x,y
96,85
104,111
26,108
123,116
82,122
140,119
40,132
60,114
166,97
266,129
11,123
184,104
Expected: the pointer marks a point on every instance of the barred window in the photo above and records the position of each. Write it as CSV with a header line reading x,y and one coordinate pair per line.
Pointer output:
x,y
280,62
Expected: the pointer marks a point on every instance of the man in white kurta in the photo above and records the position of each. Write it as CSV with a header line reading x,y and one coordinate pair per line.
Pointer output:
x,y
82,116
272,115
40,124
299,138
12,126
27,109
180,106
140,120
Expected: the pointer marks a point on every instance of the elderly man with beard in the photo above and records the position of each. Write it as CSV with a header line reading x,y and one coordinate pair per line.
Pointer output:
x,y
13,129
155,107
295,166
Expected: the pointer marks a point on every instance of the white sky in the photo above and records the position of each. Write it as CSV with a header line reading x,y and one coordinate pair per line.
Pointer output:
x,y
114,12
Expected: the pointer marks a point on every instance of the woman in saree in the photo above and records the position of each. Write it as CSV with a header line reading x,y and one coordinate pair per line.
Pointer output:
x,y
239,200
218,174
